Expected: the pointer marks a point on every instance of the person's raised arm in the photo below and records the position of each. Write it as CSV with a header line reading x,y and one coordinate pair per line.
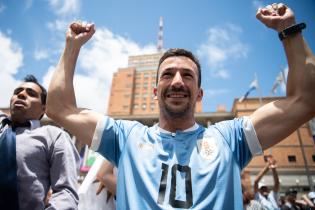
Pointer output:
x,y
276,120
61,102
259,177
273,166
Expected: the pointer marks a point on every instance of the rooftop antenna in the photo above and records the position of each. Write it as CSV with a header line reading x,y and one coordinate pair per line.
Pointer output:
x,y
160,36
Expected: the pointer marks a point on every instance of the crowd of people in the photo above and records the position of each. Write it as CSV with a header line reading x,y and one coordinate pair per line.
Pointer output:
x,y
175,164
262,198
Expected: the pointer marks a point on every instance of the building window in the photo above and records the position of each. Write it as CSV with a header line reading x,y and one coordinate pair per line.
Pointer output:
x,y
291,158
125,107
135,106
144,106
313,157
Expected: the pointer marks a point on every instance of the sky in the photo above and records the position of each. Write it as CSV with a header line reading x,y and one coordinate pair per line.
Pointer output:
x,y
231,44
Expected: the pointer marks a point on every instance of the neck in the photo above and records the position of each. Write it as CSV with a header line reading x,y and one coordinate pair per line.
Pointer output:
x,y
18,120
173,124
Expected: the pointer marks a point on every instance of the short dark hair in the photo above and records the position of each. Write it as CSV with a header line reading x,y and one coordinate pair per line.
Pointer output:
x,y
179,52
33,79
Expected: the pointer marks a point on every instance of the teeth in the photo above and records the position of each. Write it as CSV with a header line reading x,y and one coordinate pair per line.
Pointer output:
x,y
176,96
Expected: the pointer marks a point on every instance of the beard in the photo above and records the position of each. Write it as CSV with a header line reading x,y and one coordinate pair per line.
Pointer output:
x,y
176,110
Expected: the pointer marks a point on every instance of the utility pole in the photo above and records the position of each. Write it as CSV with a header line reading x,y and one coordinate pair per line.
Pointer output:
x,y
160,36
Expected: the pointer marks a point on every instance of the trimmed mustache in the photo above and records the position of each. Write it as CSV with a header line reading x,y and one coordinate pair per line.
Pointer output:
x,y
173,90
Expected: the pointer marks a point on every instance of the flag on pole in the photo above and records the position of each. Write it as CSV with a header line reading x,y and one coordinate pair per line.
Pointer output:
x,y
280,80
312,124
253,86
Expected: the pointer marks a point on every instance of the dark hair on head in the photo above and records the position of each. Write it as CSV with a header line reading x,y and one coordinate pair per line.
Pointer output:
x,y
180,52
32,78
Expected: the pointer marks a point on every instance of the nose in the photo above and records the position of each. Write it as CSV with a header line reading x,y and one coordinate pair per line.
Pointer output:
x,y
177,80
22,94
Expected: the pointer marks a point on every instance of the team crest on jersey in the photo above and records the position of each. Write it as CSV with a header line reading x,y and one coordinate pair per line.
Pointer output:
x,y
207,148
144,146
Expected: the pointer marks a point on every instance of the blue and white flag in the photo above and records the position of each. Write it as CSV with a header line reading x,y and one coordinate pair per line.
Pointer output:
x,y
252,86
280,80
312,124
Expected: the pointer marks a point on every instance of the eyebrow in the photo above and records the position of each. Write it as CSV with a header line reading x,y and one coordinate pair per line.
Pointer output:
x,y
173,68
19,89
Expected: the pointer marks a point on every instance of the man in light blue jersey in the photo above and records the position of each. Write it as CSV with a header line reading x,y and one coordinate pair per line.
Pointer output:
x,y
178,164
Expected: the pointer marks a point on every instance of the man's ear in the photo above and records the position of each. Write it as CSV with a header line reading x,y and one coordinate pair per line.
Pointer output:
x,y
155,93
43,111
200,94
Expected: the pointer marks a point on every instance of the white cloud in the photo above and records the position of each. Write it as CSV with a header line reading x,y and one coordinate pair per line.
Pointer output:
x,y
28,4
223,44
215,92
11,59
65,7
222,73
58,25
257,4
2,7
40,54
99,59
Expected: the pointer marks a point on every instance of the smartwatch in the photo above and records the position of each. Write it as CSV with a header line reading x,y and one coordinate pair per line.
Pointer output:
x,y
297,28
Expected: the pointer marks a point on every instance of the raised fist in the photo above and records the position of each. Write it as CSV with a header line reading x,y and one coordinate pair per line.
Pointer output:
x,y
79,33
276,16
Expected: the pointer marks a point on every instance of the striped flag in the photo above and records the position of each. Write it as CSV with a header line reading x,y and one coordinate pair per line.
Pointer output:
x,y
312,124
253,86
280,80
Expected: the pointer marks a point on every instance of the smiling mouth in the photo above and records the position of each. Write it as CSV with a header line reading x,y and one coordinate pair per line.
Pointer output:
x,y
176,95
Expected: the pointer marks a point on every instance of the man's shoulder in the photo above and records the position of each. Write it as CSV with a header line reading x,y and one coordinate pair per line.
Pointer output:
x,y
2,115
51,127
53,130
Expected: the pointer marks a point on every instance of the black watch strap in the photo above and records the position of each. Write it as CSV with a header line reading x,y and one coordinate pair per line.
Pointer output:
x,y
297,28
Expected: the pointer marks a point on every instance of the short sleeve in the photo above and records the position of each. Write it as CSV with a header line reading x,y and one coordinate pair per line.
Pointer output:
x,y
241,137
110,137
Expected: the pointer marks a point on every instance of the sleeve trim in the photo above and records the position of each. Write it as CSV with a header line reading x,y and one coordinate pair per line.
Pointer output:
x,y
97,137
251,137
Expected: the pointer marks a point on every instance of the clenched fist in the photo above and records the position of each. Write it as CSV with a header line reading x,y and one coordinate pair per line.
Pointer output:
x,y
277,16
79,33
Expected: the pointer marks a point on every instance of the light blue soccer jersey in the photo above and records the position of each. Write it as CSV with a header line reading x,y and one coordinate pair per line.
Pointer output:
x,y
194,169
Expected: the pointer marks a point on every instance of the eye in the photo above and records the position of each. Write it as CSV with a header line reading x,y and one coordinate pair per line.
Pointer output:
x,y
188,75
166,75
31,92
17,91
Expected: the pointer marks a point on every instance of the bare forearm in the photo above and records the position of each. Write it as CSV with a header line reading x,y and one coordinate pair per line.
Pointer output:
x,y
259,176
261,173
296,57
299,106
276,180
61,91
301,62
